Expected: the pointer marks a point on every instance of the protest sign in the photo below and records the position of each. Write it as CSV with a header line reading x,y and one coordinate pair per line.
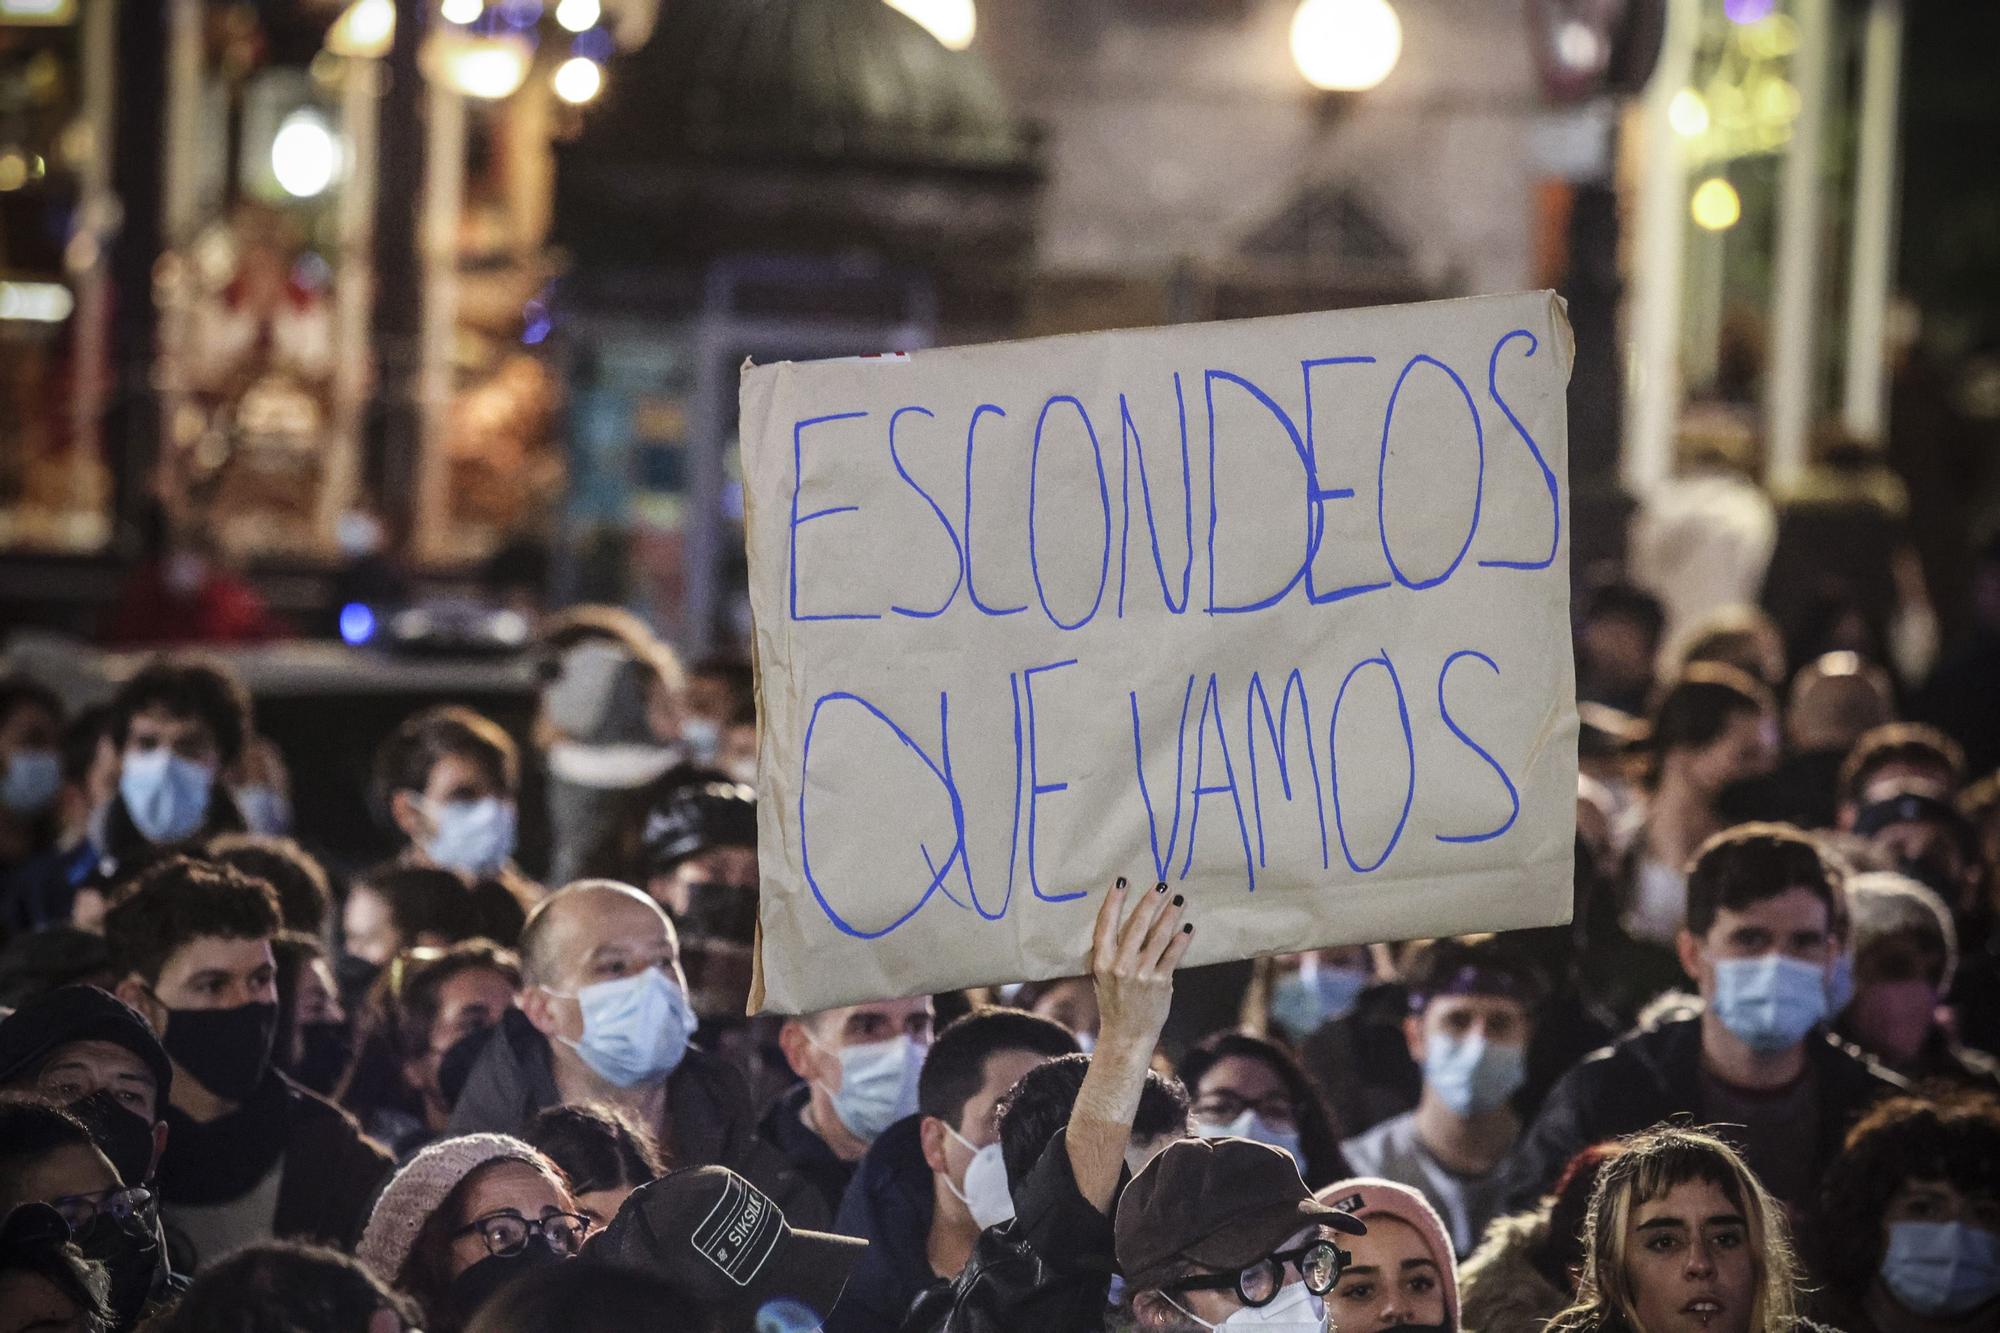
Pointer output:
x,y
1276,611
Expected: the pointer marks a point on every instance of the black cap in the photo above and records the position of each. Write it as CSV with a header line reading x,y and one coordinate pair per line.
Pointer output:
x,y
700,811
34,1032
1221,1203
710,1230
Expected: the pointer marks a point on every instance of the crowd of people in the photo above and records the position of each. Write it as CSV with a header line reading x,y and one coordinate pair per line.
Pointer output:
x,y
247,1084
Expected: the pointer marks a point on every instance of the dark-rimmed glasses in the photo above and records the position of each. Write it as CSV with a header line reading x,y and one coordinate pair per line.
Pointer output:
x,y
1319,1265
507,1234
119,1203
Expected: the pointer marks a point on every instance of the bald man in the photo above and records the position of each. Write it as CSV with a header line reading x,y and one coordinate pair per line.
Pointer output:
x,y
603,1016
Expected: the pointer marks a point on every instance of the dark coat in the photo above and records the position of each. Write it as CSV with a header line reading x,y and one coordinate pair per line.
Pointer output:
x,y
806,1151
332,1173
1653,1074
1048,1270
889,1204
713,1122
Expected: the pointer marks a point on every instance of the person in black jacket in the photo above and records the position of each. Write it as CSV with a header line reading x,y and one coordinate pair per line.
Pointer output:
x,y
250,1155
604,1017
1071,1133
1759,943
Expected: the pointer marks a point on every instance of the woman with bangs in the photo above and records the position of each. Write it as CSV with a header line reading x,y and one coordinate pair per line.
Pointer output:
x,y
1681,1238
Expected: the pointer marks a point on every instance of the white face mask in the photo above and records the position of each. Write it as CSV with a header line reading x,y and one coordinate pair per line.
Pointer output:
x,y
473,837
1294,1309
1250,1125
985,1194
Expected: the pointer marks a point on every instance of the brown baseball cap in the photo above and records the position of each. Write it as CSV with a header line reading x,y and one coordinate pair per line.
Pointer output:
x,y
1221,1203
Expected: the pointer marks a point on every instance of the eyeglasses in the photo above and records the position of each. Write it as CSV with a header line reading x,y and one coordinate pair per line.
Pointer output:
x,y
118,1203
1221,1107
507,1234
1319,1265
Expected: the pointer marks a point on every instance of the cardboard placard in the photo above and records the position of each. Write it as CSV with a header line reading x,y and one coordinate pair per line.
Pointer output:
x,y
1276,611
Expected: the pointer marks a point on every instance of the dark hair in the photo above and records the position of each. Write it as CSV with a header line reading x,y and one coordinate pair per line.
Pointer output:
x,y
427,900
81,736
1319,1139
1900,743
586,1296
1701,703
414,992
1040,1104
1624,601
735,675
405,761
597,1146
955,1069
31,1129
181,899
284,1285
35,1239
1560,1258
17,692
399,1016
1488,964
186,688
1743,866
304,894
1954,1137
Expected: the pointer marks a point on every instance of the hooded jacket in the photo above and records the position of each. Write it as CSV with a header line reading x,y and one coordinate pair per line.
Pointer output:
x,y
889,1205
805,1150
1654,1074
1500,1290
1048,1270
712,1119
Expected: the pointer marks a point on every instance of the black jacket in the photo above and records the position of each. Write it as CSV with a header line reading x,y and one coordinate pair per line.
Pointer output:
x,y
713,1123
1049,1270
806,1151
1653,1074
889,1204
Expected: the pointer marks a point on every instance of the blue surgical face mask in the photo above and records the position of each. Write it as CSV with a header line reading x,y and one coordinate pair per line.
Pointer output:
x,y
701,737
635,1029
878,1085
1249,1125
473,837
31,781
1941,1269
1840,984
166,795
1471,1075
265,809
1315,994
1770,1003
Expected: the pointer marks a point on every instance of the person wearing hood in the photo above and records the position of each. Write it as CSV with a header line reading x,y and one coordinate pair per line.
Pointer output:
x,y
449,779
1905,955
466,1217
1525,1271
603,1016
1472,1017
610,725
933,1181
84,1050
250,1154
857,1067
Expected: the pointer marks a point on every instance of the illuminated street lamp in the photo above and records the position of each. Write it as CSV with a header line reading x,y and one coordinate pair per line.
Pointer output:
x,y
952,22
1346,45
578,80
1715,205
305,156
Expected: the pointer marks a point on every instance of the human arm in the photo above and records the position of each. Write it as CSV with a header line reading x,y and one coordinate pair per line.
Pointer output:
x,y
1132,960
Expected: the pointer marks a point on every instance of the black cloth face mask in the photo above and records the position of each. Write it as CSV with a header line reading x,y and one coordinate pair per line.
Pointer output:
x,y
478,1284
119,1132
134,1257
324,1052
227,1050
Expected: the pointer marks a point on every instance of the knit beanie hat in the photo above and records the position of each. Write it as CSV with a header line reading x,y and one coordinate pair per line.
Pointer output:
x,y
1366,1197
420,1189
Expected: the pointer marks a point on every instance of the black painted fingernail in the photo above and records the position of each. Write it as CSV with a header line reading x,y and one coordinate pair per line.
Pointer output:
x,y
1161,887
1121,881
1188,929
1178,900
